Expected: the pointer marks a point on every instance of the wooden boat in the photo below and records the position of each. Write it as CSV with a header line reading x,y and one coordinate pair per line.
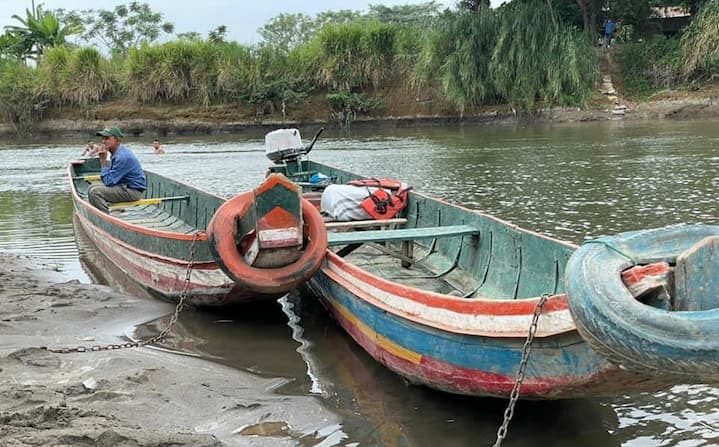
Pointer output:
x,y
255,246
445,296
668,323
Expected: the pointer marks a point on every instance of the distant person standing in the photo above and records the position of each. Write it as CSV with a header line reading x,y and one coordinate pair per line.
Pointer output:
x,y
609,28
156,146
123,179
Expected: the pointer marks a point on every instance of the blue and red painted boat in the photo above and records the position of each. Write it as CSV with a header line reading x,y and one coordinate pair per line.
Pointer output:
x,y
445,296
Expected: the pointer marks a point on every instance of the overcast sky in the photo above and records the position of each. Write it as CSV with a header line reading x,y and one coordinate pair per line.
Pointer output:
x,y
242,17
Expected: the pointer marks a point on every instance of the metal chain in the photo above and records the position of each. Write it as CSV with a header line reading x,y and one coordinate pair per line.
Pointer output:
x,y
514,395
173,319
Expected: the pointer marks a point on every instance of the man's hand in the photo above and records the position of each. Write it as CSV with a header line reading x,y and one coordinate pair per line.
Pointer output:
x,y
102,153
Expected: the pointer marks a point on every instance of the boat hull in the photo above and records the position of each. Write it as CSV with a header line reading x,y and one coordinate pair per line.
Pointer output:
x,y
165,277
561,366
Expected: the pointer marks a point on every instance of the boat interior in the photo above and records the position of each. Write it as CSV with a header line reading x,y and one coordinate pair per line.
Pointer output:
x,y
166,206
440,247
431,245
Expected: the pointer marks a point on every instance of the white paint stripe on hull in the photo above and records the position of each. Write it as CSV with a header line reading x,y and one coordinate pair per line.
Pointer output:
x,y
550,323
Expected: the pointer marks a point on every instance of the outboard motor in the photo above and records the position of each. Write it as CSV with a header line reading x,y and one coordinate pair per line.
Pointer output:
x,y
283,145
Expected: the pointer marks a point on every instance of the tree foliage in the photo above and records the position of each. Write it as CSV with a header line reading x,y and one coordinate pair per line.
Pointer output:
x,y
286,31
519,53
410,15
124,27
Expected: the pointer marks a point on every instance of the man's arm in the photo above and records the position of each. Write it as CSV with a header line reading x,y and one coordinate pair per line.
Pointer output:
x,y
111,174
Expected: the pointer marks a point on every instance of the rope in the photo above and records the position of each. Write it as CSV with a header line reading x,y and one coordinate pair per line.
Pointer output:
x,y
613,248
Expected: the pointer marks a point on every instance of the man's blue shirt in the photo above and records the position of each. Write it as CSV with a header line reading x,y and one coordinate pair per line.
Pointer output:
x,y
609,28
124,168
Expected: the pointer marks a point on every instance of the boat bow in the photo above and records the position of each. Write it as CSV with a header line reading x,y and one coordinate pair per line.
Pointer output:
x,y
675,336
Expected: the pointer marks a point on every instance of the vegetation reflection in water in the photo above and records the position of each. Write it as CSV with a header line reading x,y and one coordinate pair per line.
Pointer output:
x,y
569,181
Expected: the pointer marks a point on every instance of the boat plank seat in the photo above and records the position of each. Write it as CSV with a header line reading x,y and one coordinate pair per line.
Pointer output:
x,y
403,234
149,201
354,224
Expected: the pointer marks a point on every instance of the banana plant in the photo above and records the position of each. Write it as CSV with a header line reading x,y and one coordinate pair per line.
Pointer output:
x,y
40,30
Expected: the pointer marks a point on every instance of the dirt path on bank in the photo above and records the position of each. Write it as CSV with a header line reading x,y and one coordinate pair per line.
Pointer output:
x,y
128,397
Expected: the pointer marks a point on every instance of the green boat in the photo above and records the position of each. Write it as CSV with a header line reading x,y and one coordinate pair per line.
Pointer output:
x,y
179,241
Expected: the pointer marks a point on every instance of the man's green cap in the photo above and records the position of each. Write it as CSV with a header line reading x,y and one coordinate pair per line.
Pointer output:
x,y
110,132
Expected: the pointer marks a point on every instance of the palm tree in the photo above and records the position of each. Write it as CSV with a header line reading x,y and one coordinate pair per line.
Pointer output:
x,y
40,30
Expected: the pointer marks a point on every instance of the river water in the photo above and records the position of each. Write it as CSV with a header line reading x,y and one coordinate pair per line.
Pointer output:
x,y
569,181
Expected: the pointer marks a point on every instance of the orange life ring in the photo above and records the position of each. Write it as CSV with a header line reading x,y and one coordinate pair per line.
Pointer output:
x,y
222,237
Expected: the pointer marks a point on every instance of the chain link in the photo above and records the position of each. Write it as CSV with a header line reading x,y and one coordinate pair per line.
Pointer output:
x,y
514,395
173,319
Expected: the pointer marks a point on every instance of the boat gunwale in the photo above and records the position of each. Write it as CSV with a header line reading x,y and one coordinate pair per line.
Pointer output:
x,y
511,317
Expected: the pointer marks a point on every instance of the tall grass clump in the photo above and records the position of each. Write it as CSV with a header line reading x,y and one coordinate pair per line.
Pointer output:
x,y
537,58
458,52
700,43
356,54
21,102
178,71
234,72
651,65
80,77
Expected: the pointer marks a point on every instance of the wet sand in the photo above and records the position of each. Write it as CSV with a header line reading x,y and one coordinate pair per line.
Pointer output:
x,y
125,397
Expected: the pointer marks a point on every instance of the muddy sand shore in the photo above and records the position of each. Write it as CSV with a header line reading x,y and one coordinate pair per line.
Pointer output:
x,y
125,397
168,121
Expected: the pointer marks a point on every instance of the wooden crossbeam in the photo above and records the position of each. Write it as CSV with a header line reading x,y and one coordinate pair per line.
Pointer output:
x,y
150,201
365,223
404,234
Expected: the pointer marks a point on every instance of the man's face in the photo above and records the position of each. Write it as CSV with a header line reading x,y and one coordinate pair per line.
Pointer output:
x,y
111,143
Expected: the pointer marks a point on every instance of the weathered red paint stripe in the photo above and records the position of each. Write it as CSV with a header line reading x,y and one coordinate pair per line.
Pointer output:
x,y
456,304
445,376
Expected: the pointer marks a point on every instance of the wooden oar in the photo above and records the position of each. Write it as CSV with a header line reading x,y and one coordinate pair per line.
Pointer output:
x,y
88,178
150,201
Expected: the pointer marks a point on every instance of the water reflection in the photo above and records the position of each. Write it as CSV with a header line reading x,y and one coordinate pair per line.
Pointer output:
x,y
569,181
376,406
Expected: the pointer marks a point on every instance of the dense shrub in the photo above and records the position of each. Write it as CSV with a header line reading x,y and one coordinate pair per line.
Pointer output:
x,y
357,54
651,65
519,54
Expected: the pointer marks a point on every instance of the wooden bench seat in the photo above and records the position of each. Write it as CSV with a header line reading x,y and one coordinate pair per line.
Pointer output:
x,y
404,234
354,224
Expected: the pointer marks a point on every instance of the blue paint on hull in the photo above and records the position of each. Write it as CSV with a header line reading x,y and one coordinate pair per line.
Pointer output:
x,y
560,357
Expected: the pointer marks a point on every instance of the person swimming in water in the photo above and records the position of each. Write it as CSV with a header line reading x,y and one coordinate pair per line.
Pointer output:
x,y
157,148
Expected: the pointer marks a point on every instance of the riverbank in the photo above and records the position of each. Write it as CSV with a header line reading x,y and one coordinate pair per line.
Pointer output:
x,y
133,397
171,120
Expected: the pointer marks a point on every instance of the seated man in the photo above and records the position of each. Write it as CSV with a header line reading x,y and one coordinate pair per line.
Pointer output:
x,y
122,178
